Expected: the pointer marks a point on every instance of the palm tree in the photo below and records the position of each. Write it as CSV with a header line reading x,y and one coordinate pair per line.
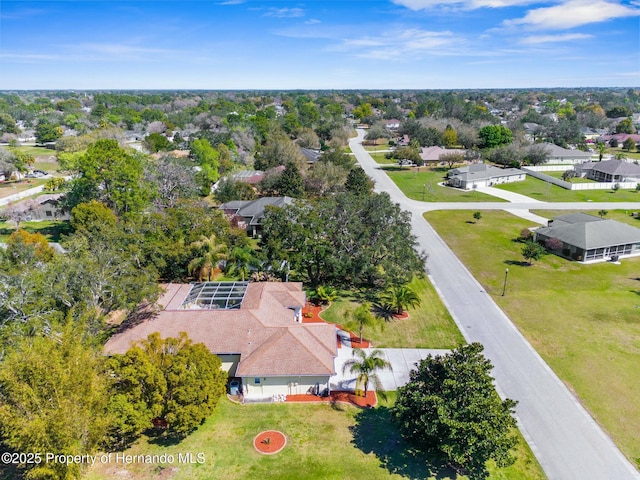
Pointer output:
x,y
400,298
362,317
241,259
209,252
365,367
601,147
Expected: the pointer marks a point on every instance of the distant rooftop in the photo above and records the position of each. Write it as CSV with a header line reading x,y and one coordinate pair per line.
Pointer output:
x,y
215,295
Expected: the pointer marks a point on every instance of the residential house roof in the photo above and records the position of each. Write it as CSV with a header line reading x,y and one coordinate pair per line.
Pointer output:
x,y
589,232
621,137
253,210
614,167
262,331
311,154
556,151
30,203
432,154
482,171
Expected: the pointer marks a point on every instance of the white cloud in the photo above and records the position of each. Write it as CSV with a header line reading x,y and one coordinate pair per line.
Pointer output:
x,y
463,4
284,12
573,13
94,52
312,21
401,44
567,37
232,2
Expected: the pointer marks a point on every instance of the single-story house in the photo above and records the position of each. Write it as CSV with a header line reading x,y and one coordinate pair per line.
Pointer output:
x,y
254,328
312,155
249,214
620,138
392,123
588,239
482,175
559,155
609,171
432,154
42,207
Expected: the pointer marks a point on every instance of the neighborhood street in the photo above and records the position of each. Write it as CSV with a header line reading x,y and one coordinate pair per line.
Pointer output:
x,y
563,436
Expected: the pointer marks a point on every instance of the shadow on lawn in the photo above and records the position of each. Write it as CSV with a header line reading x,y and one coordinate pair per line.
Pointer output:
x,y
519,263
374,433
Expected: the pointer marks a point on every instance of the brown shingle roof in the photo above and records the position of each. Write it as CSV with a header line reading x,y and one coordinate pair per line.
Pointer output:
x,y
262,331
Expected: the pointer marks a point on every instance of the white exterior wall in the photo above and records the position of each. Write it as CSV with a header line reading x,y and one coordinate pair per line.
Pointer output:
x,y
270,386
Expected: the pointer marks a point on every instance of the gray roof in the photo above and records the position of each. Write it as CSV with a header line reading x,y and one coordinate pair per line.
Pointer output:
x,y
555,151
617,167
593,233
482,171
575,218
311,154
254,209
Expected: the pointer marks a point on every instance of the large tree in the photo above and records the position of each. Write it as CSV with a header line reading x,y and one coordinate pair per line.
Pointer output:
x,y
494,136
358,182
450,408
173,380
111,175
363,240
53,398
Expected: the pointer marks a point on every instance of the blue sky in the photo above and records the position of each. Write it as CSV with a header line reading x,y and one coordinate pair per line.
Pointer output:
x,y
247,44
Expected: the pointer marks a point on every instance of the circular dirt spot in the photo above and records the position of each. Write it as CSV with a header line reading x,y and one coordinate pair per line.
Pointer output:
x,y
269,442
401,316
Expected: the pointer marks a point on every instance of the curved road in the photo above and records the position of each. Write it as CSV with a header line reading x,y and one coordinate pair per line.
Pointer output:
x,y
565,439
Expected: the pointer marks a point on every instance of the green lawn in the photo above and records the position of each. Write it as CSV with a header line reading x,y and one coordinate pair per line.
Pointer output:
x,y
52,230
428,326
375,148
583,319
382,160
37,151
623,216
573,180
324,442
540,190
13,187
422,184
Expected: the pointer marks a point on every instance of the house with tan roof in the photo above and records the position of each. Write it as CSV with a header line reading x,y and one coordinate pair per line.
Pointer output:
x,y
254,327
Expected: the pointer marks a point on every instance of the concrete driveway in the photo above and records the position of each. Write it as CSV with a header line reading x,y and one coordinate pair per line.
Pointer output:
x,y
402,360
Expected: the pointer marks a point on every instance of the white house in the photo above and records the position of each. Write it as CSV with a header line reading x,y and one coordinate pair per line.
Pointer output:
x,y
482,175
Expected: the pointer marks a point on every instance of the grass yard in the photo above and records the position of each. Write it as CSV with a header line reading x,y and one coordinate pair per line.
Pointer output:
x,y
540,190
428,326
324,442
381,160
13,187
583,319
558,175
52,230
36,151
623,216
422,184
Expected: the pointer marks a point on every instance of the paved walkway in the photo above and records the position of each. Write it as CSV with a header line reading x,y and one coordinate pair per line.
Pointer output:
x,y
563,436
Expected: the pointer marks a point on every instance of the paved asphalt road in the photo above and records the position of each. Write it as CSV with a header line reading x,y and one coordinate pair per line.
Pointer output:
x,y
566,440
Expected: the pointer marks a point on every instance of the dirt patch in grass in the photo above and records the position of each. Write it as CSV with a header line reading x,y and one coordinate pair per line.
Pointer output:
x,y
269,442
